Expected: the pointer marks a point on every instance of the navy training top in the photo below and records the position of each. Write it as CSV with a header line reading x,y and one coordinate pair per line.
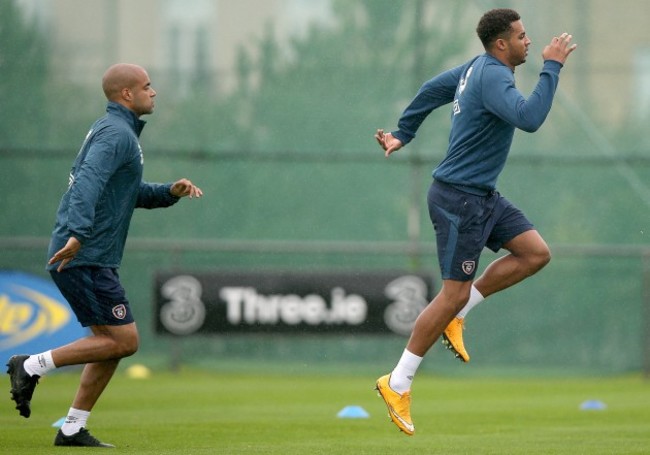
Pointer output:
x,y
105,186
487,107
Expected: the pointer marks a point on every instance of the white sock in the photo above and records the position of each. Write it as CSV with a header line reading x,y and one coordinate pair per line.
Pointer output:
x,y
39,364
402,376
475,298
75,421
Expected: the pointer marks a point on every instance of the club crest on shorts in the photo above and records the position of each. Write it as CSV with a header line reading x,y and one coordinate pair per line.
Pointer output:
x,y
468,267
119,311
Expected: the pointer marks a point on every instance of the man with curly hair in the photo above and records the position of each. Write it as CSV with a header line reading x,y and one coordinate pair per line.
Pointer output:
x,y
467,212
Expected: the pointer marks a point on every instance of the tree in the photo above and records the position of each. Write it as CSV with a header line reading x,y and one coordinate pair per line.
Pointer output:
x,y
23,65
342,82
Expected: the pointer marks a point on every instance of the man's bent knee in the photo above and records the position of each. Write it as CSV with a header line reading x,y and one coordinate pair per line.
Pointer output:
x,y
540,259
456,293
125,339
530,248
127,347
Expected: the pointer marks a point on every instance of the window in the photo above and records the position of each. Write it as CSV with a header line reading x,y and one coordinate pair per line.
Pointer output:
x,y
188,54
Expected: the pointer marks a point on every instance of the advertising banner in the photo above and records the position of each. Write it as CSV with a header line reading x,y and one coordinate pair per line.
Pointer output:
x,y
289,302
34,316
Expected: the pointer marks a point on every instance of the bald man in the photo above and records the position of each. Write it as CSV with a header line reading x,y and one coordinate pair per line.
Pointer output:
x,y
92,223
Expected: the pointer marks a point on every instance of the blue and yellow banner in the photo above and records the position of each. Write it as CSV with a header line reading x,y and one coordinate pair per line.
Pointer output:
x,y
34,316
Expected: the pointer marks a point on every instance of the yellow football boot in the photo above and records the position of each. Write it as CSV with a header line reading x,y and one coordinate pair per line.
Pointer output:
x,y
452,338
399,405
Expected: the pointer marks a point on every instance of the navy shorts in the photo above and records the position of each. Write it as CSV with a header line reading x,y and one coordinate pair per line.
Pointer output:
x,y
94,294
465,223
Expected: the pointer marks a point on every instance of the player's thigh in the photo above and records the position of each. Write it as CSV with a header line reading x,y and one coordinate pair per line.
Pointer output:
x,y
528,243
125,335
459,221
95,295
511,229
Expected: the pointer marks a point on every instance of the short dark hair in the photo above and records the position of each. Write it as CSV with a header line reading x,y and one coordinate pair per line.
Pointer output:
x,y
495,24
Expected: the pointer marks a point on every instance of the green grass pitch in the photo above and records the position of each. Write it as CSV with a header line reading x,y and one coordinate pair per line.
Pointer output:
x,y
201,412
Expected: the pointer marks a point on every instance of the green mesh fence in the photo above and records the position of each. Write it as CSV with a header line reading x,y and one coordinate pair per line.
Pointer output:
x,y
293,178
583,313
